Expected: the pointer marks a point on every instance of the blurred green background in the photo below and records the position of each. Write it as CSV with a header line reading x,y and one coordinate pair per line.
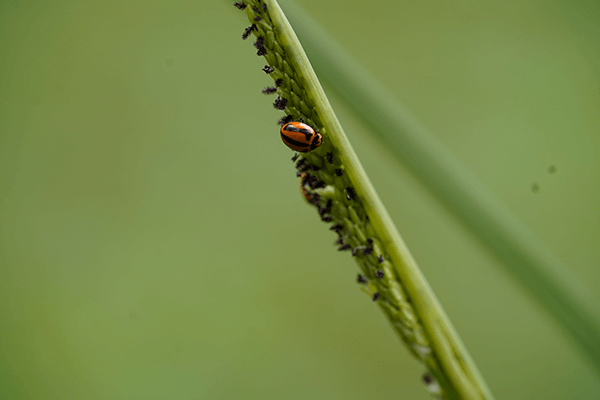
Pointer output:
x,y
153,241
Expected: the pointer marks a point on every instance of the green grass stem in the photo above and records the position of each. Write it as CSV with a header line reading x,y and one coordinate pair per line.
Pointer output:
x,y
547,278
343,194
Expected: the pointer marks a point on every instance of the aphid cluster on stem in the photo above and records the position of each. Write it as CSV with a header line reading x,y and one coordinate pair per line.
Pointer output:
x,y
322,178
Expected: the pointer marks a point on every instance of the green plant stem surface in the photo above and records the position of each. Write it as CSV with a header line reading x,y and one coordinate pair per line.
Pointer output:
x,y
568,299
402,291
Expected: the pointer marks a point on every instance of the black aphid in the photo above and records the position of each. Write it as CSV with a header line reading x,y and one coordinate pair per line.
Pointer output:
x,y
339,172
260,42
329,157
376,296
248,31
350,193
315,198
344,247
379,274
269,90
361,279
280,103
427,378
268,69
367,250
380,259
285,120
336,228
240,5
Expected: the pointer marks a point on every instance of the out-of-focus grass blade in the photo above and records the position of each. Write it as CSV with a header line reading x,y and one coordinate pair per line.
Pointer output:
x,y
527,258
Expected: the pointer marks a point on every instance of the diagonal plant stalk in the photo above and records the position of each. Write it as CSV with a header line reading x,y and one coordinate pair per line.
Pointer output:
x,y
337,185
562,293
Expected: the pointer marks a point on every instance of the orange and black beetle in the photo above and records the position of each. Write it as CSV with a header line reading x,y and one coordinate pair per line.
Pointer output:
x,y
300,137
